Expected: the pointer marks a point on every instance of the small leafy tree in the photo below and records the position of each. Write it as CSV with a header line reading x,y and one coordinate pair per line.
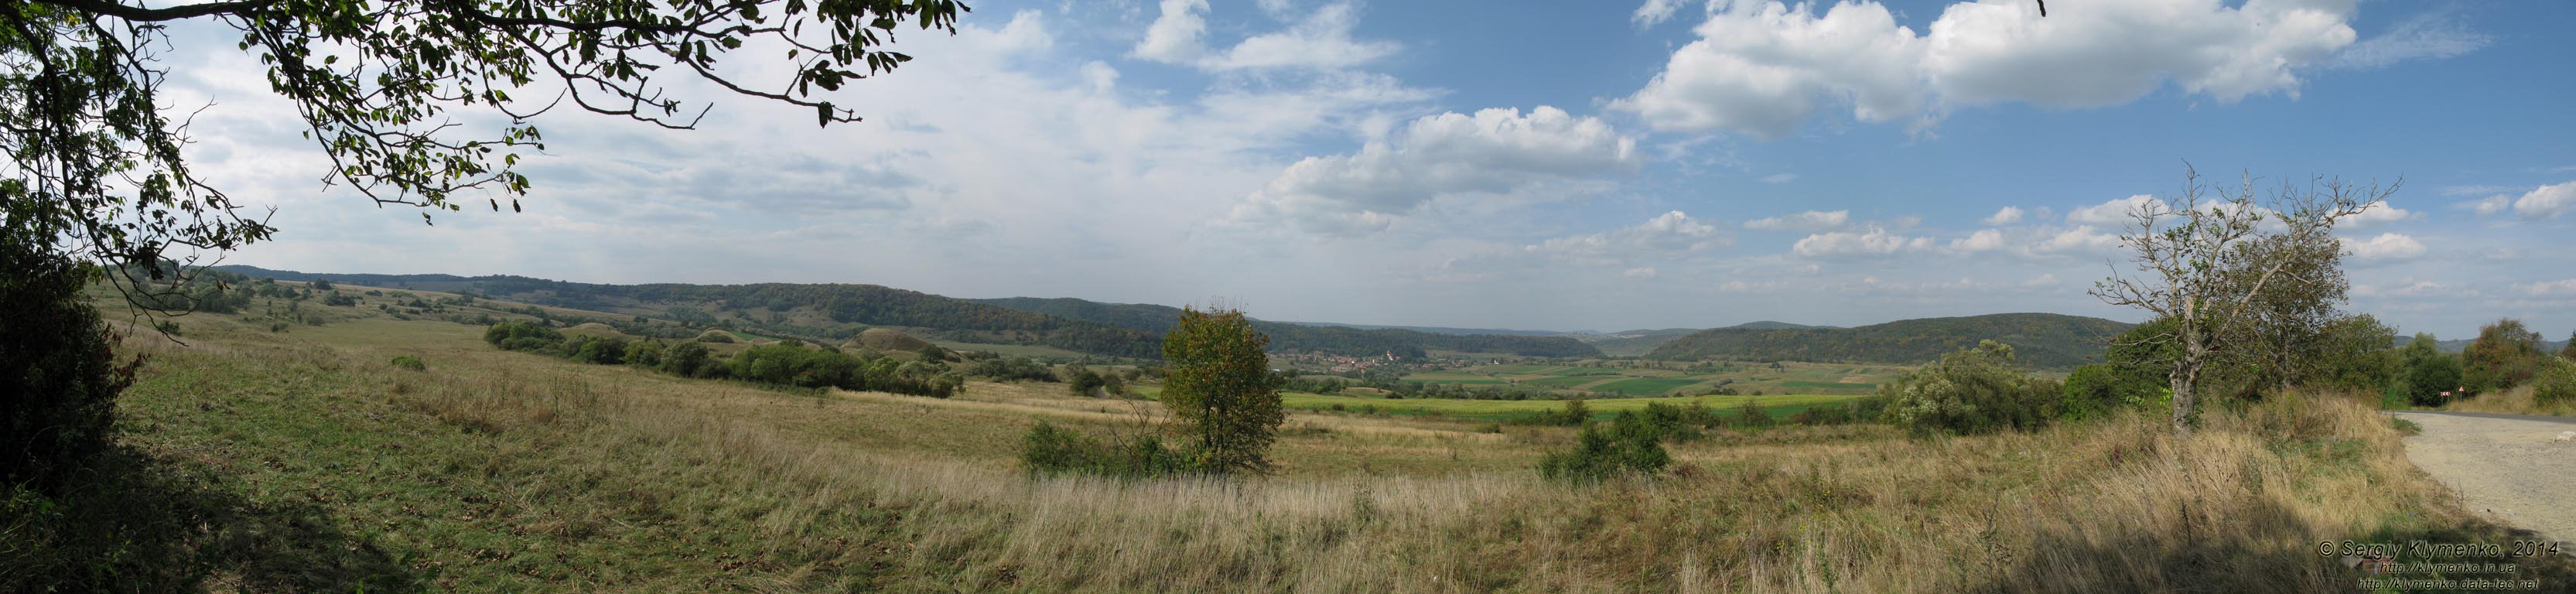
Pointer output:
x,y
2212,265
1219,383
2431,375
2506,354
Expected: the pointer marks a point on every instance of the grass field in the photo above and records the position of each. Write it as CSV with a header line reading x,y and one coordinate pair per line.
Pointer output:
x,y
251,460
1649,378
1778,406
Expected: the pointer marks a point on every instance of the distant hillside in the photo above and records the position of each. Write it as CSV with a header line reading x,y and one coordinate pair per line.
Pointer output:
x,y
1632,343
830,312
2049,341
1302,337
835,312
1439,329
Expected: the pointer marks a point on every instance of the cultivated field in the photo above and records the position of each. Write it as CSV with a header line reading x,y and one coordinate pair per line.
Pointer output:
x,y
301,461
1658,378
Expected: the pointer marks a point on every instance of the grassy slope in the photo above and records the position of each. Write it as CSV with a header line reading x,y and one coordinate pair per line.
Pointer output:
x,y
302,462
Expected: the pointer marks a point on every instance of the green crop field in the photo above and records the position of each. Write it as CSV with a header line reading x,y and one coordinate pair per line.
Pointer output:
x,y
1647,386
1778,406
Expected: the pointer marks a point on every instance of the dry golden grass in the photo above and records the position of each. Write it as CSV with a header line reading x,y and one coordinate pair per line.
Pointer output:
x,y
1384,505
2516,401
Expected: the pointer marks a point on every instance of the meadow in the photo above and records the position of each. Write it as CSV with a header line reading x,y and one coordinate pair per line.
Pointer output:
x,y
1780,406
301,460
1659,378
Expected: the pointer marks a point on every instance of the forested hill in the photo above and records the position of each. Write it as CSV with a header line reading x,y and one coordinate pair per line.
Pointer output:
x,y
824,311
1299,337
838,311
2048,341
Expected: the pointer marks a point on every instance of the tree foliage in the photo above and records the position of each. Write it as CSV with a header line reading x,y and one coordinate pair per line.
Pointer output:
x,y
2431,377
2506,354
58,377
1977,390
380,87
2227,267
1219,384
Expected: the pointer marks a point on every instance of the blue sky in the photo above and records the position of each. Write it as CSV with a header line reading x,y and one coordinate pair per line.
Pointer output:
x,y
1534,165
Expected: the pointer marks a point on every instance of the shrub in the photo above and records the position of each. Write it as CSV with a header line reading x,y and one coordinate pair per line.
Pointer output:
x,y
1575,414
594,349
2505,355
1086,384
1629,446
686,359
522,336
2556,384
58,375
716,336
1971,391
168,328
1048,450
410,362
2431,375
1751,415
2098,389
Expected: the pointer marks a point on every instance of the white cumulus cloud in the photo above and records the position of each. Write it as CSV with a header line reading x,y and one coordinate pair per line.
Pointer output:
x,y
2387,246
2113,213
2379,213
1806,221
2546,202
2007,216
1322,41
1762,67
1495,151
1874,242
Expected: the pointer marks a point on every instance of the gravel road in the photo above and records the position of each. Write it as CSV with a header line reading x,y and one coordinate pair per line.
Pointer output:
x,y
2511,467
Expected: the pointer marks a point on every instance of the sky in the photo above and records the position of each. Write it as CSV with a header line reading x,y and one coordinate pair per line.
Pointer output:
x,y
1562,166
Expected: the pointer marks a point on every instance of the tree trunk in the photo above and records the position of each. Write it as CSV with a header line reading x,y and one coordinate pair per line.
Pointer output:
x,y
2186,379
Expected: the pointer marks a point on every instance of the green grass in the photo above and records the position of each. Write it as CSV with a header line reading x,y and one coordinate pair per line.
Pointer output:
x,y
1581,371
1647,386
1563,382
1808,385
1777,406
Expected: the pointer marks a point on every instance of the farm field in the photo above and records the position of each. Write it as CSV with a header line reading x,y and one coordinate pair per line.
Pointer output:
x,y
1653,378
1779,406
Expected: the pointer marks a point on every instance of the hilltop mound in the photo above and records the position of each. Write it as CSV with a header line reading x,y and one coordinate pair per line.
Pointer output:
x,y
2048,341
886,339
720,336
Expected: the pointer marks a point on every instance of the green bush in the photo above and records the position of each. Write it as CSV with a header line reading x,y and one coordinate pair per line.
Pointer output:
x,y
2556,384
2098,389
1049,450
2506,354
2431,376
1575,413
1631,445
1972,391
410,362
522,336
1751,415
58,375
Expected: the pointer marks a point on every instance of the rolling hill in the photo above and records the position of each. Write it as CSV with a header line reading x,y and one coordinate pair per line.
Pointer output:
x,y
2048,341
1632,343
835,312
1306,337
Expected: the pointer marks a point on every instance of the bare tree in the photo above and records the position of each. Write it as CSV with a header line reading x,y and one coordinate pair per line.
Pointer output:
x,y
2208,259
